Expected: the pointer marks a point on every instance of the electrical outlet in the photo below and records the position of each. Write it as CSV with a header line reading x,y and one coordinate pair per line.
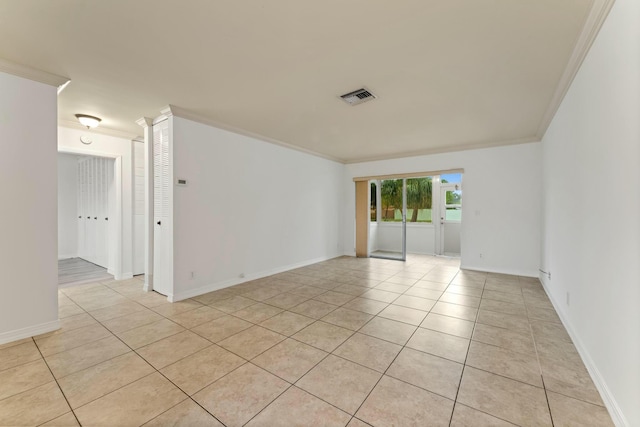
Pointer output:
x,y
192,275
568,296
241,275
480,254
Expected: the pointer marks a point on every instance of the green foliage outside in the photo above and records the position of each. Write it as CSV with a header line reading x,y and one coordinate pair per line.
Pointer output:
x,y
419,198
454,197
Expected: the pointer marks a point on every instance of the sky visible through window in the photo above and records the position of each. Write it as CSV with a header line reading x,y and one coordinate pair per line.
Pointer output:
x,y
452,178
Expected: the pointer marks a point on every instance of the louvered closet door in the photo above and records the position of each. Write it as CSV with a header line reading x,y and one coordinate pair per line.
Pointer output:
x,y
93,208
161,209
91,202
82,209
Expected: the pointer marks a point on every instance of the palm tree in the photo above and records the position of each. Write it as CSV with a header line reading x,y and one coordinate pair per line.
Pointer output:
x,y
419,195
391,196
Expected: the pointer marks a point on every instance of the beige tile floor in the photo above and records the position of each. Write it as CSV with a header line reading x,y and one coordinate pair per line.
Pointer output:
x,y
349,341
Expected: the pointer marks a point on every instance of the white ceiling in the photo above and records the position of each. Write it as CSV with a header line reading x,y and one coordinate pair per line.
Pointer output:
x,y
449,74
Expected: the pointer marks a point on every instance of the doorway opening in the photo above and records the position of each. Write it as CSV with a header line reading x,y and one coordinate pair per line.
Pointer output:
x,y
89,218
388,221
450,214
419,214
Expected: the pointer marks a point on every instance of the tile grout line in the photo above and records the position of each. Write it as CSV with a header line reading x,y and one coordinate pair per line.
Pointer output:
x,y
464,364
246,362
404,346
155,371
134,351
544,386
58,385
350,336
387,369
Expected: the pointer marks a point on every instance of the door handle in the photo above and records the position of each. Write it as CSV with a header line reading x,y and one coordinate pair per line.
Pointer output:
x,y
159,222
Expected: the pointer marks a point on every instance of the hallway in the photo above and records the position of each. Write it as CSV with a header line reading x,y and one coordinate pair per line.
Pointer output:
x,y
76,271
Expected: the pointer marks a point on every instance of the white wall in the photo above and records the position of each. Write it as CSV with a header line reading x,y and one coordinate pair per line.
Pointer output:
x,y
373,236
591,240
113,147
138,208
29,217
387,236
67,206
501,214
250,207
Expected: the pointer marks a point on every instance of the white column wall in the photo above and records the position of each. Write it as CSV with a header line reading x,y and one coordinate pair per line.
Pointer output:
x,y
28,188
591,233
67,206
501,208
139,219
249,209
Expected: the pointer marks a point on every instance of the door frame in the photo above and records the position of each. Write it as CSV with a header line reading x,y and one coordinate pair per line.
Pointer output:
x,y
403,256
117,177
362,216
443,212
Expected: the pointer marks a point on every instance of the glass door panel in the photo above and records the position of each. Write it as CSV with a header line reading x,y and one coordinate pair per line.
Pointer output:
x,y
450,219
390,230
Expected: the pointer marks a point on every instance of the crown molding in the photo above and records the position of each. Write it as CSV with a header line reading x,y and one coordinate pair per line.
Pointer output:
x,y
144,122
169,110
99,130
443,150
172,110
597,15
32,73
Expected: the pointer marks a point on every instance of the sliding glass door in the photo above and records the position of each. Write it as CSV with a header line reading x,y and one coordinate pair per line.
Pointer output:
x,y
391,222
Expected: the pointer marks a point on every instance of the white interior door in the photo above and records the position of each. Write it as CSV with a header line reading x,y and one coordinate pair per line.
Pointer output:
x,y
450,218
82,209
91,225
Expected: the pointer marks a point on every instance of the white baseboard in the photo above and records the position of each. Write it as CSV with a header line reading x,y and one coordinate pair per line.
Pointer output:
x,y
513,272
148,282
28,332
67,256
124,276
190,293
616,414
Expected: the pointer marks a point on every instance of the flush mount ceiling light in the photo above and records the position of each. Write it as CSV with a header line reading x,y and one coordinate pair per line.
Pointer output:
x,y
88,121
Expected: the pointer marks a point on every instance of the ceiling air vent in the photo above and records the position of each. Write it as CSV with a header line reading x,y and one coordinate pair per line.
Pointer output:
x,y
357,96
